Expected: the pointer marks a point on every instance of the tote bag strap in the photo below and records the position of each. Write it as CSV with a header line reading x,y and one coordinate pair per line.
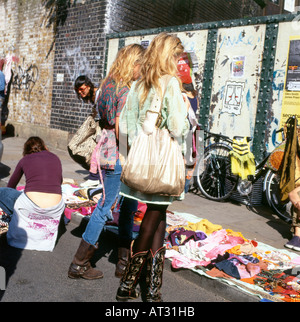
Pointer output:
x,y
153,115
164,84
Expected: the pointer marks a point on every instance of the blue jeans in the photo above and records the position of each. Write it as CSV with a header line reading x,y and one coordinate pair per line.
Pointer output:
x,y
102,213
8,197
127,209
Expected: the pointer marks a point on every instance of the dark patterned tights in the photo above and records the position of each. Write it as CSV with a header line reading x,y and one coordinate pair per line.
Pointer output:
x,y
152,230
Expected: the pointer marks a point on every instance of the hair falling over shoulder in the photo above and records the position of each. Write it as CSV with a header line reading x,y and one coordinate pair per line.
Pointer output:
x,y
127,58
159,59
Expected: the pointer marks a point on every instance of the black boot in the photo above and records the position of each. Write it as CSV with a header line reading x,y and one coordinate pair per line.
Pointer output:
x,y
81,266
155,266
130,277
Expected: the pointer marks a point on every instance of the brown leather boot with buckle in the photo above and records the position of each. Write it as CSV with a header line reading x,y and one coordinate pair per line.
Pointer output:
x,y
81,266
123,254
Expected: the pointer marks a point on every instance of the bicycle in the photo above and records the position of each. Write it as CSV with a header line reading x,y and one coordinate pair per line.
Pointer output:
x,y
216,181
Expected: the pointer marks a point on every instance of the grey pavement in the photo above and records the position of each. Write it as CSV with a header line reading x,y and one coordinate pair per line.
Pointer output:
x,y
41,276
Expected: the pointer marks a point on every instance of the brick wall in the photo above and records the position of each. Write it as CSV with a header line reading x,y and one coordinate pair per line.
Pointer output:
x,y
79,50
42,100
24,38
80,45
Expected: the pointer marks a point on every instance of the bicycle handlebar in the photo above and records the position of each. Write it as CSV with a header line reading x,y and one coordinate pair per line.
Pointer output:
x,y
218,136
224,137
227,139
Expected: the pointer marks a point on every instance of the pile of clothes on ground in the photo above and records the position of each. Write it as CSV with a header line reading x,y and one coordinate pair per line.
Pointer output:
x,y
77,199
4,221
207,249
211,250
83,201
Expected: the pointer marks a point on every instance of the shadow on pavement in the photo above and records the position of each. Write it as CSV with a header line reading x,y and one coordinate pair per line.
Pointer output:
x,y
9,257
4,171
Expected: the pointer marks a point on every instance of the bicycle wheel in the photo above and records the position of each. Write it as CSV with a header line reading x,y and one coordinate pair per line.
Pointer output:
x,y
282,209
213,173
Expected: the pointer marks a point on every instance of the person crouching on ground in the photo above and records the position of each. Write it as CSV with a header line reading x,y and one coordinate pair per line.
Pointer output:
x,y
36,212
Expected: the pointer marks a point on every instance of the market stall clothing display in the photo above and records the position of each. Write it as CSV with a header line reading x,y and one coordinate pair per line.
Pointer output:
x,y
224,254
208,249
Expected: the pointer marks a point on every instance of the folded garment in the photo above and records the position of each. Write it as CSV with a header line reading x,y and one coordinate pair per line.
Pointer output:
x,y
204,225
181,236
95,193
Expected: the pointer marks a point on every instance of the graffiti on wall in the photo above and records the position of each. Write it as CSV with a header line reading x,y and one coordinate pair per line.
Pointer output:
x,y
77,64
240,39
233,97
24,79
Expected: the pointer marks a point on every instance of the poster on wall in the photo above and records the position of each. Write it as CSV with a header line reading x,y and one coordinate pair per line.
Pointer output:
x,y
238,66
289,5
232,103
293,66
291,93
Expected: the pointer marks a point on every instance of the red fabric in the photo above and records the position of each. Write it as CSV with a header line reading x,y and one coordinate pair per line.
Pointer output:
x,y
184,69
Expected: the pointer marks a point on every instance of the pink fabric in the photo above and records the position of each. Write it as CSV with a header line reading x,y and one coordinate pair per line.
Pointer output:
x,y
83,210
95,161
228,243
206,250
7,70
142,207
181,261
218,242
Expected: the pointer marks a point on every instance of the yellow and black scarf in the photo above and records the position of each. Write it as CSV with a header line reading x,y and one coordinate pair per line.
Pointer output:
x,y
242,160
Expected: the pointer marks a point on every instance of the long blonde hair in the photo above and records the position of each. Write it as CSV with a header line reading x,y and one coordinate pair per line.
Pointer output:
x,y
121,70
158,60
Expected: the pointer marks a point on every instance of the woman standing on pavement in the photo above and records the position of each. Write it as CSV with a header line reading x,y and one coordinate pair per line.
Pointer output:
x,y
114,90
160,59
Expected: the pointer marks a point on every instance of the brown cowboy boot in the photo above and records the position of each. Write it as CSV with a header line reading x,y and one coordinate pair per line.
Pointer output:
x,y
123,254
81,266
130,277
155,266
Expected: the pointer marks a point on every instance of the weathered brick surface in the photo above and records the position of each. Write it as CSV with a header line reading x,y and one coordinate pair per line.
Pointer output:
x,y
24,36
42,94
79,50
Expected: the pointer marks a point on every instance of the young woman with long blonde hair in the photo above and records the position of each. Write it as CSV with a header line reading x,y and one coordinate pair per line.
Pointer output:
x,y
114,90
160,59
